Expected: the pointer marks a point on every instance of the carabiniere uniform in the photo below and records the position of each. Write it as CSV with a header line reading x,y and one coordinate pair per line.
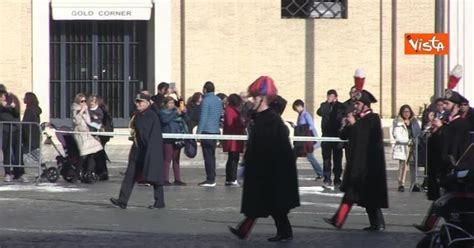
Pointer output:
x,y
446,145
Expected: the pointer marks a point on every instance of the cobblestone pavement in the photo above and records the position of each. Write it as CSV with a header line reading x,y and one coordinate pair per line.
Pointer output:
x,y
80,215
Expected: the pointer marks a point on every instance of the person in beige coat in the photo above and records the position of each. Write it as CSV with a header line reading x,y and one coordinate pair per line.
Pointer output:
x,y
405,130
88,145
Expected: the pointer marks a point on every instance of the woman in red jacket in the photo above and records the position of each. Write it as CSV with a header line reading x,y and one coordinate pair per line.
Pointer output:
x,y
233,125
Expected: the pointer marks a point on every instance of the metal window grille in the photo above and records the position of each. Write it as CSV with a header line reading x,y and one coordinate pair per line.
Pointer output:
x,y
315,9
97,57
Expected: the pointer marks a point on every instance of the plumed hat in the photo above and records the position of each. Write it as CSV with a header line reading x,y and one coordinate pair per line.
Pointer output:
x,y
263,86
362,95
454,76
359,79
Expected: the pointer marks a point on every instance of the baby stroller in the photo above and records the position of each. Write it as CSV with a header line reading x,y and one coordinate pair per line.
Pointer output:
x,y
69,163
33,156
456,207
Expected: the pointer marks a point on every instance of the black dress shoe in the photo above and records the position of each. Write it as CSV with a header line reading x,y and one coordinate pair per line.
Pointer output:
x,y
279,238
154,206
422,228
237,233
401,189
374,228
330,221
117,203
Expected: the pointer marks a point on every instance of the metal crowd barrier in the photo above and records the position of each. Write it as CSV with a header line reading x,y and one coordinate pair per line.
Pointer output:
x,y
13,137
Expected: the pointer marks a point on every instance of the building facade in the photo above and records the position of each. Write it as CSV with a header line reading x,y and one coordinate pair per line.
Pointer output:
x,y
114,48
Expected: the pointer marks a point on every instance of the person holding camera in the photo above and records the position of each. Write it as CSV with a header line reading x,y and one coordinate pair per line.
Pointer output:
x,y
172,121
331,112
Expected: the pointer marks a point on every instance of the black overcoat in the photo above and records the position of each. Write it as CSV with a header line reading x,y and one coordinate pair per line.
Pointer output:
x,y
32,114
270,177
445,146
149,157
365,180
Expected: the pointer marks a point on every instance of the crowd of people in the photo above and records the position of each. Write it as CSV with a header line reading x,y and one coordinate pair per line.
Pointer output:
x,y
444,134
18,139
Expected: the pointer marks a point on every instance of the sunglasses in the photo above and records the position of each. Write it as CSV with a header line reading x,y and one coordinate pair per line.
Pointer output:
x,y
83,101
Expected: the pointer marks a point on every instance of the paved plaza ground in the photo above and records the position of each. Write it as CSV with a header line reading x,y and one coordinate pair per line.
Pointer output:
x,y
80,215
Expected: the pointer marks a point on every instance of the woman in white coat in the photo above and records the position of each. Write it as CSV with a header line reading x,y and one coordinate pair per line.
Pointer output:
x,y
405,130
88,146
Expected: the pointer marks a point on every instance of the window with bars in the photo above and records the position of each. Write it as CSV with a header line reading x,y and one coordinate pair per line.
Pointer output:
x,y
316,9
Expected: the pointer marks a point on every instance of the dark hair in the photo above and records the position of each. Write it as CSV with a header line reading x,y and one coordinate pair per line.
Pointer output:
x,y
196,97
3,92
406,106
297,103
3,88
424,119
439,100
332,92
163,85
221,96
31,99
209,87
234,100
102,104
167,100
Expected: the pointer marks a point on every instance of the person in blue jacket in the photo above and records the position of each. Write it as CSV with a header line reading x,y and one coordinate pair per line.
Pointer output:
x,y
211,110
304,117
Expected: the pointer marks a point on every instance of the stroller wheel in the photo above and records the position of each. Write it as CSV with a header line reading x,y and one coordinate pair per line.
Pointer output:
x,y
52,174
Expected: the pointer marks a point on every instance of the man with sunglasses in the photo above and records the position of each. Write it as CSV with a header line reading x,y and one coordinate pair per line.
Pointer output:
x,y
146,154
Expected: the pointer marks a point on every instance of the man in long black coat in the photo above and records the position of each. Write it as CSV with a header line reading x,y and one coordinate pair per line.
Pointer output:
x,y
270,177
446,145
364,182
146,155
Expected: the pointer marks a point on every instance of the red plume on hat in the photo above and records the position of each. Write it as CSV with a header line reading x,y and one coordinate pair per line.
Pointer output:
x,y
455,76
359,79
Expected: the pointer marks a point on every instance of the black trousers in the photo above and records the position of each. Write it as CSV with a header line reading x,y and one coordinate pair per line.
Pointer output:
x,y
231,166
283,224
101,163
375,217
209,154
129,182
334,151
88,163
11,153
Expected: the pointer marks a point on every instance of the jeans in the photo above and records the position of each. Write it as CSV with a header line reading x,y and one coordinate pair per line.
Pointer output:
x,y
316,166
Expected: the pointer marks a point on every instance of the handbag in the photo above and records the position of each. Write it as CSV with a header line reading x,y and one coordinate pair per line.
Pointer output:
x,y
190,145
190,148
302,148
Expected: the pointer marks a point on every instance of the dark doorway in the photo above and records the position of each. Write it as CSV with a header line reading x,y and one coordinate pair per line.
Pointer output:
x,y
106,58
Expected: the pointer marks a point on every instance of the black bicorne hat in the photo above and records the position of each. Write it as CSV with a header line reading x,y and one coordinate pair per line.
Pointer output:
x,y
365,97
454,97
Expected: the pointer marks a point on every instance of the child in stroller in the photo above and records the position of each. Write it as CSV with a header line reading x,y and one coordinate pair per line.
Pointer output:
x,y
70,164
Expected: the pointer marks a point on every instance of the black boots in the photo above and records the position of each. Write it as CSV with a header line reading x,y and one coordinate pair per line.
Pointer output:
x,y
243,229
117,203
377,222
